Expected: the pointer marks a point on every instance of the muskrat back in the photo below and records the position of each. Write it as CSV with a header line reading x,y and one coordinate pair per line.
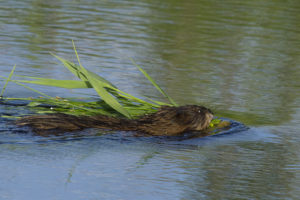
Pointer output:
x,y
167,121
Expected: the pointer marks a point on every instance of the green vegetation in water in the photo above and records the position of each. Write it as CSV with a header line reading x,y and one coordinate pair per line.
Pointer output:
x,y
112,102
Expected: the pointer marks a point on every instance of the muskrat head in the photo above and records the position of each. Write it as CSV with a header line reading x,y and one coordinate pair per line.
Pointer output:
x,y
196,118
172,120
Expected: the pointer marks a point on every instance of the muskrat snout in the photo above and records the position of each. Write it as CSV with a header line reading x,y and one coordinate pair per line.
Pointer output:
x,y
203,119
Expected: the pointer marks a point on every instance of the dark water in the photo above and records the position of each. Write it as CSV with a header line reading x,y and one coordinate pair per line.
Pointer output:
x,y
240,58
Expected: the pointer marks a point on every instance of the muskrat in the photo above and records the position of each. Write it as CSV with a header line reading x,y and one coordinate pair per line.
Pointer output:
x,y
167,121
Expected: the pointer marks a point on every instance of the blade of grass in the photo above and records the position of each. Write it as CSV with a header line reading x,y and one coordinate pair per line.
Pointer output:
x,y
100,89
159,102
69,84
7,80
76,70
154,83
132,98
66,105
27,87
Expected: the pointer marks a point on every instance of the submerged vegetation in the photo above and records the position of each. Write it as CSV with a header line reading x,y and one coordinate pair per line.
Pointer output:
x,y
112,101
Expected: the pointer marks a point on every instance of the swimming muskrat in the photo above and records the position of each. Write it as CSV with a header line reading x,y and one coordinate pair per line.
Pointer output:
x,y
167,121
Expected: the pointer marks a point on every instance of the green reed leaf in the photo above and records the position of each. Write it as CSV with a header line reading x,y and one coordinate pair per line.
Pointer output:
x,y
77,71
69,84
27,87
99,86
154,83
7,80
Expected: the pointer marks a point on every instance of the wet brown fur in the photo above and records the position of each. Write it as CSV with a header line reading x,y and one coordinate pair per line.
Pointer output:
x,y
167,121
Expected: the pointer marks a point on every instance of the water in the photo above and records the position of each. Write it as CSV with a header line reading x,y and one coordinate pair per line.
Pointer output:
x,y
240,58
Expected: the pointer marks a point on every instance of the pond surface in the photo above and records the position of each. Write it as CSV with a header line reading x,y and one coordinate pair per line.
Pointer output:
x,y
240,58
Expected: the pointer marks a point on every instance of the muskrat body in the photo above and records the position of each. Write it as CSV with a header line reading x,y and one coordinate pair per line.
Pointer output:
x,y
167,121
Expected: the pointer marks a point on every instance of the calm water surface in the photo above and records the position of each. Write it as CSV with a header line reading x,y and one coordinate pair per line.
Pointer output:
x,y
240,58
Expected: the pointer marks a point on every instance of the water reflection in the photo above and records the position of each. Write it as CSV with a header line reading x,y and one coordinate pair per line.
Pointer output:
x,y
224,168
